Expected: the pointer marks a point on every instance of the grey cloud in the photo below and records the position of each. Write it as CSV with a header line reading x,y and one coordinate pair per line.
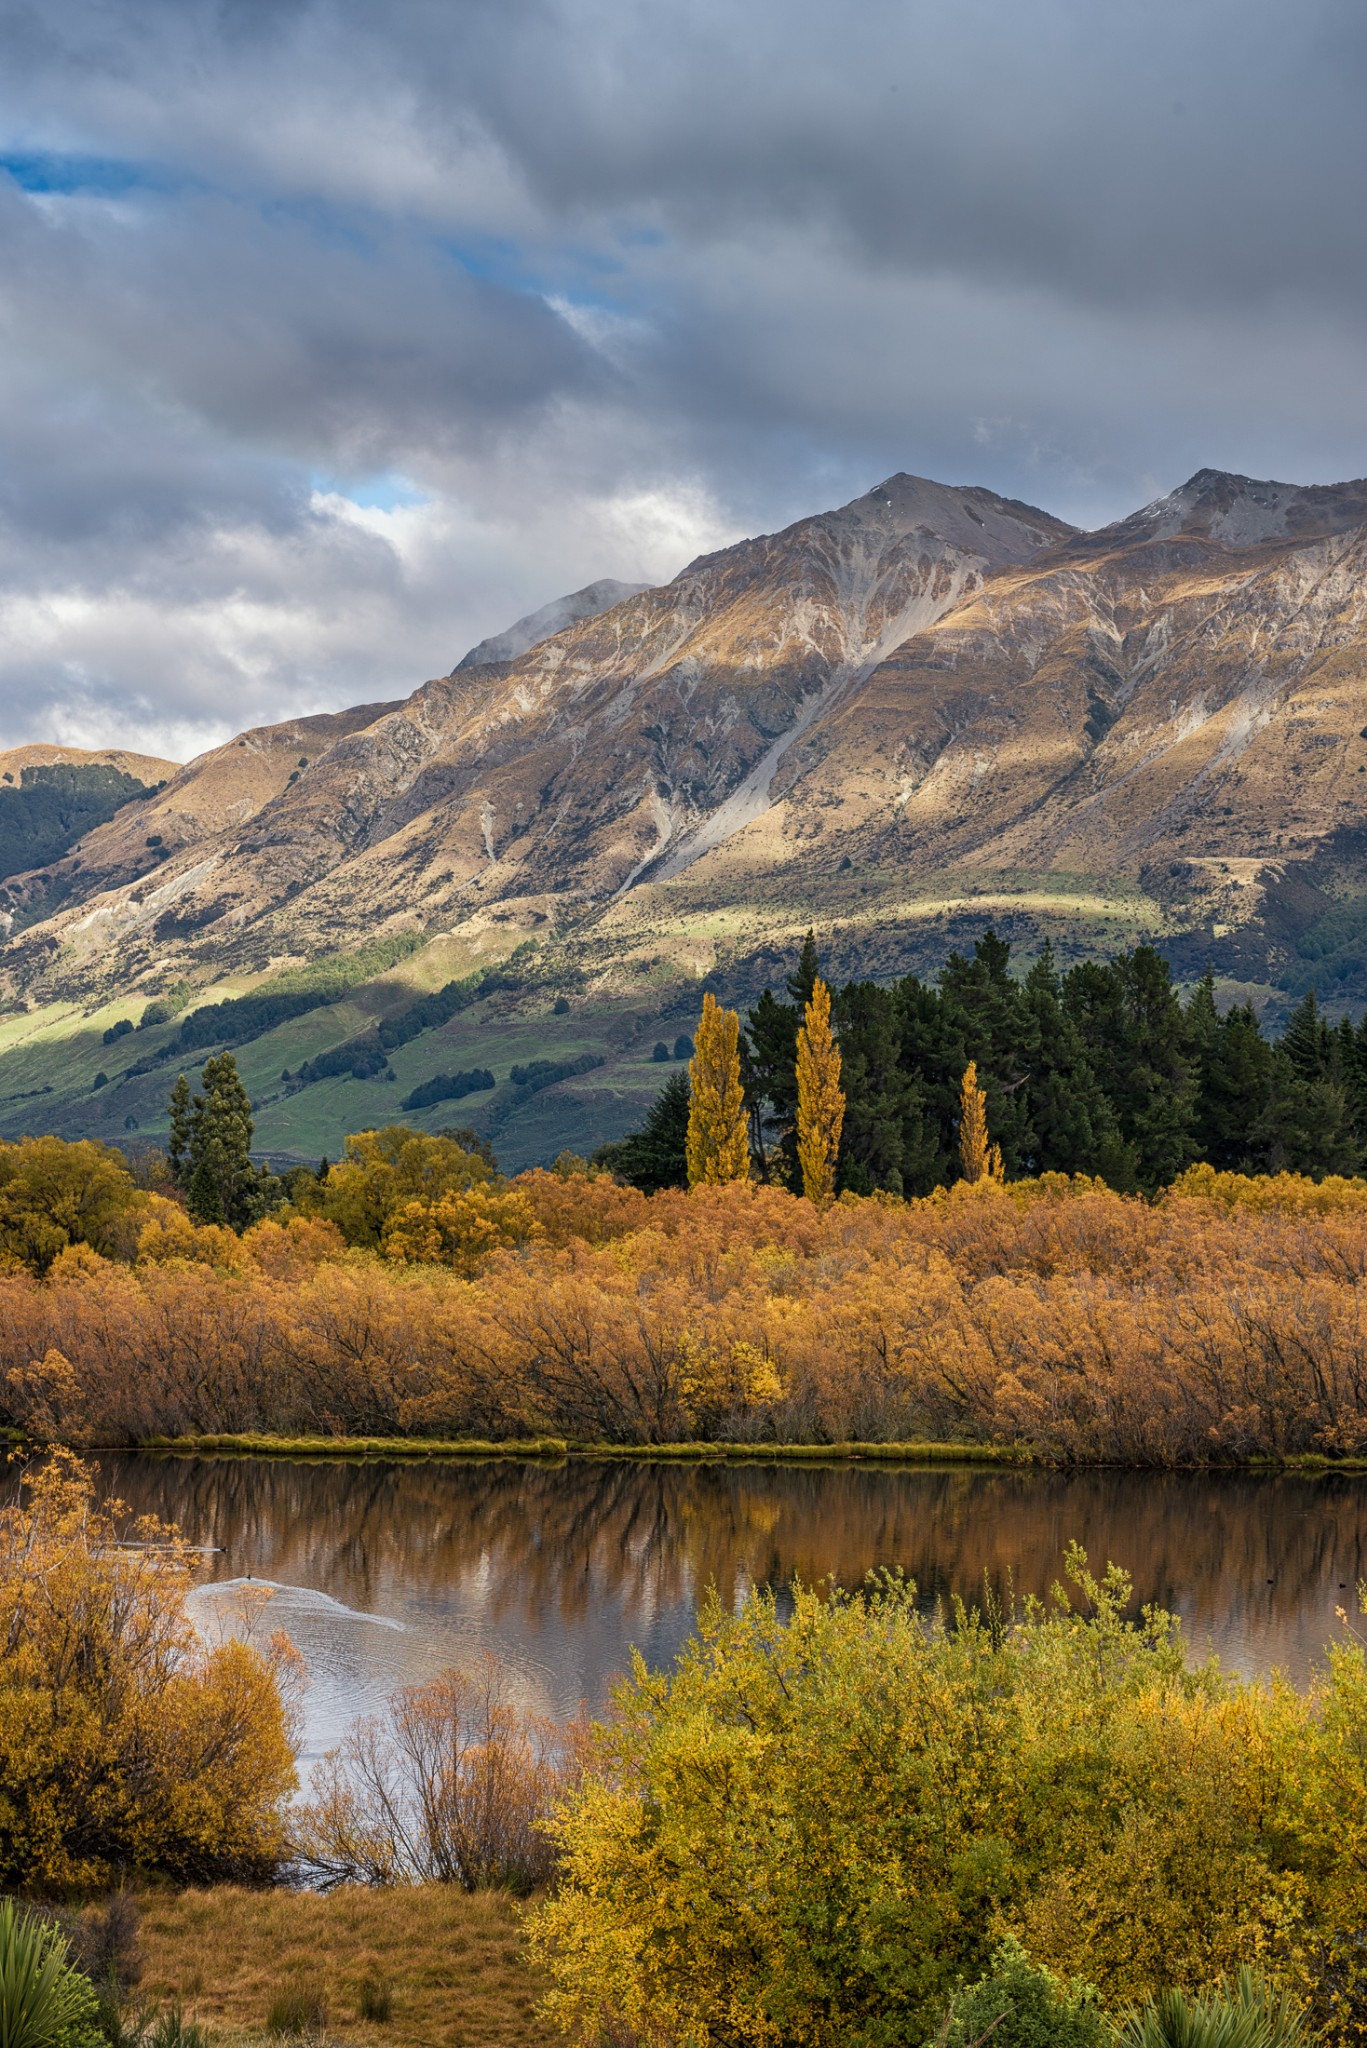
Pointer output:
x,y
1068,250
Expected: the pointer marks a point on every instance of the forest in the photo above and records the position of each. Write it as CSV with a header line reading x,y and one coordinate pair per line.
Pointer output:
x,y
1102,1070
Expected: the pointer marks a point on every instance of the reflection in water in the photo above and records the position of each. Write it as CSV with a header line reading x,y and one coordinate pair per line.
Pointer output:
x,y
559,1570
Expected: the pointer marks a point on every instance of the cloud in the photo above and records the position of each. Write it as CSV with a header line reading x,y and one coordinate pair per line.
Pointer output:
x,y
334,338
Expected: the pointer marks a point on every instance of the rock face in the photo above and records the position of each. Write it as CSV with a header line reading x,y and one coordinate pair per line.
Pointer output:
x,y
552,618
930,700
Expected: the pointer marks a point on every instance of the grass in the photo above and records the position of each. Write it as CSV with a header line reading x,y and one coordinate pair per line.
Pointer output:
x,y
453,1967
558,1448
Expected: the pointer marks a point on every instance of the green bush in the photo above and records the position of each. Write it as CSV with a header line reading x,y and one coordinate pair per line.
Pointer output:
x,y
1019,2005
44,2003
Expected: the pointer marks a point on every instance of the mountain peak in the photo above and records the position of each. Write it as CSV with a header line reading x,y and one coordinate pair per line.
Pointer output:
x,y
552,618
1244,511
969,516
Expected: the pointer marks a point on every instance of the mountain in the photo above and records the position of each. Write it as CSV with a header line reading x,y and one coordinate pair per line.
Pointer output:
x,y
928,710
50,798
552,618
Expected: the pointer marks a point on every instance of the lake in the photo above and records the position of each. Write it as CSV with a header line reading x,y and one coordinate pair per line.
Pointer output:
x,y
385,1573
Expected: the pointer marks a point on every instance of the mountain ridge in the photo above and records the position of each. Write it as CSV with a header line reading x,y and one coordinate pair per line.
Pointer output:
x,y
928,707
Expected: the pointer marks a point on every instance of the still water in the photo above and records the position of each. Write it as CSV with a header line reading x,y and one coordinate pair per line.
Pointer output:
x,y
383,1574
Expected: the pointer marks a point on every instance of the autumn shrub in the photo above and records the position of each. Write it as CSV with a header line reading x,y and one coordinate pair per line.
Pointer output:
x,y
126,1745
813,1829
450,1784
1223,1322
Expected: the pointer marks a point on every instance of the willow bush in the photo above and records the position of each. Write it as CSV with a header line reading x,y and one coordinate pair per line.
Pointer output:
x,y
812,1829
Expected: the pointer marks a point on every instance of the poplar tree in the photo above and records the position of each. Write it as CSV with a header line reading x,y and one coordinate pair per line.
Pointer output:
x,y
820,1102
718,1144
979,1159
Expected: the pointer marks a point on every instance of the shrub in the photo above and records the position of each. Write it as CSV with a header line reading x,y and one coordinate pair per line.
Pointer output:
x,y
659,1052
561,1006
684,1047
1019,2005
808,1830
126,1746
448,1088
44,2002
538,1074
451,1783
117,1031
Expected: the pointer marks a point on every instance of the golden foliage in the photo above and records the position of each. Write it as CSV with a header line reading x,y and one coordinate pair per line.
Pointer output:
x,y
1227,1320
979,1159
458,1228
383,1171
718,1140
820,1102
125,1744
811,1830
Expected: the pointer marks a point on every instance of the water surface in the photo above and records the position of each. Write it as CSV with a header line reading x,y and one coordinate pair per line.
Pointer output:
x,y
385,1573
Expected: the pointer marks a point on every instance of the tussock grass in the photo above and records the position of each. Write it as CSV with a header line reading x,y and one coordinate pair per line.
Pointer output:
x,y
261,1446
453,1966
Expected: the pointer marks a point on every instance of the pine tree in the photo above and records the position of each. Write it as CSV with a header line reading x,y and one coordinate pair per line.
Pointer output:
x,y
979,1159
803,980
1306,1041
656,1156
178,1144
769,1076
820,1103
210,1148
718,1147
886,1141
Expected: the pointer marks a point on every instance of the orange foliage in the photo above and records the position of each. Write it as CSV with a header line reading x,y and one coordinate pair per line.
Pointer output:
x,y
1224,1321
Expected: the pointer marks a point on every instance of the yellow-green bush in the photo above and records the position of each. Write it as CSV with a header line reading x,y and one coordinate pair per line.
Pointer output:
x,y
811,1830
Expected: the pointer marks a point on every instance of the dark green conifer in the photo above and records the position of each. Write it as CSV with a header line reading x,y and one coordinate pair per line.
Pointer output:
x,y
654,1157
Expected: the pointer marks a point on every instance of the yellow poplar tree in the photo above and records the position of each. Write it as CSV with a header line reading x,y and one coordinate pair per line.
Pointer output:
x,y
979,1159
820,1101
718,1141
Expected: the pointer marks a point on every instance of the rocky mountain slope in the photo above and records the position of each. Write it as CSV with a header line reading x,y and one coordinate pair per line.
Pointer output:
x,y
930,709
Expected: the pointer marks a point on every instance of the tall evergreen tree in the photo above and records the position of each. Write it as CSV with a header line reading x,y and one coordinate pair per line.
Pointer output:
x,y
656,1156
1234,1077
769,1077
178,1144
1306,1040
887,1141
222,1177
1071,1125
1135,1031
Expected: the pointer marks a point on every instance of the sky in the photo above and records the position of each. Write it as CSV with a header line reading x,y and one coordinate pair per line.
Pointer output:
x,y
335,336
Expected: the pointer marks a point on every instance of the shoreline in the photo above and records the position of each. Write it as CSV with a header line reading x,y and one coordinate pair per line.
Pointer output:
x,y
562,1451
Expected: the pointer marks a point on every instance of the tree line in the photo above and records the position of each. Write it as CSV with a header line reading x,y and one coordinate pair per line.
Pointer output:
x,y
1102,1070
